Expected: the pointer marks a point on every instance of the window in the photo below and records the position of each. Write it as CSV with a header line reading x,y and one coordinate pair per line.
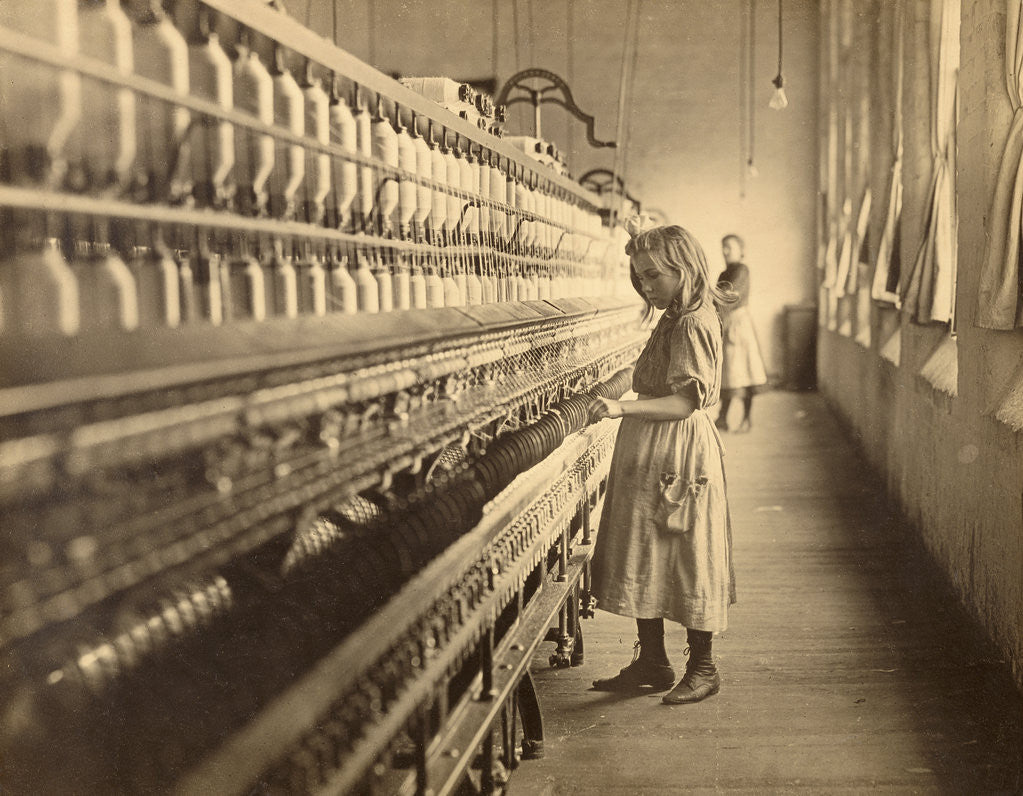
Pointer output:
x,y
928,294
1000,297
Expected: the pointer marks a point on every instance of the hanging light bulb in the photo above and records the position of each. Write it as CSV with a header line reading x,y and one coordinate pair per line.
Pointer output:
x,y
778,99
751,169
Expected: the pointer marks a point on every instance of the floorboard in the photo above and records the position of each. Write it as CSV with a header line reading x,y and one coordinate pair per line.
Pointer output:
x,y
847,667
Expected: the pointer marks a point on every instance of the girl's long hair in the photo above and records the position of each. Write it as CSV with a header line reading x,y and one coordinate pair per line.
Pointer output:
x,y
675,249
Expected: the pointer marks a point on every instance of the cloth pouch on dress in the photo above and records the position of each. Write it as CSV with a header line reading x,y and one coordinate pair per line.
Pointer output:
x,y
683,502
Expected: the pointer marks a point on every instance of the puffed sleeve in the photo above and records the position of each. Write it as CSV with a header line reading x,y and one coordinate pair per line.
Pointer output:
x,y
694,356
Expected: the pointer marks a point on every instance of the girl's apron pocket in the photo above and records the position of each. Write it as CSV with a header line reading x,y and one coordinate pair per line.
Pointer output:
x,y
682,504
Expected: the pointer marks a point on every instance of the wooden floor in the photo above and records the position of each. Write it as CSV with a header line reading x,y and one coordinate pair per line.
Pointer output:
x,y
846,667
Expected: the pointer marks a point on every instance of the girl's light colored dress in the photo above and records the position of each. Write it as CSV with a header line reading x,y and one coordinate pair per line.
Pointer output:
x,y
664,548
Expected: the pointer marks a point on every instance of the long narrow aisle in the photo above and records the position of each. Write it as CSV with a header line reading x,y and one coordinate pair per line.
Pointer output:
x,y
845,667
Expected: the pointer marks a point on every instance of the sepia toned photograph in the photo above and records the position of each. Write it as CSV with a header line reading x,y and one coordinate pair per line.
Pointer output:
x,y
479,397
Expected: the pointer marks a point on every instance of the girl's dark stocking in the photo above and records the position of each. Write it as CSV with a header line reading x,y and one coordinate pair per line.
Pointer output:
x,y
747,411
651,641
722,421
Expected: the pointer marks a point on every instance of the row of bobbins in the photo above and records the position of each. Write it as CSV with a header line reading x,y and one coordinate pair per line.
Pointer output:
x,y
430,218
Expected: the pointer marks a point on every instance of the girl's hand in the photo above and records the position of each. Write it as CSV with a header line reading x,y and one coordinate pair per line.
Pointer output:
x,y
604,407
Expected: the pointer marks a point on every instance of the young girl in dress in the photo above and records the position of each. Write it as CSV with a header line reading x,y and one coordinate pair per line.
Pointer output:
x,y
743,373
664,549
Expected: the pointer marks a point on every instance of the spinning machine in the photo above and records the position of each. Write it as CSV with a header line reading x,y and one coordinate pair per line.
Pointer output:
x,y
295,475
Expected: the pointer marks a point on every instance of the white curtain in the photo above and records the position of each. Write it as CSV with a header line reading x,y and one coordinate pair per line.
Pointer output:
x,y
863,307
888,264
839,143
859,143
844,235
856,39
929,292
831,256
823,123
1000,298
859,242
830,161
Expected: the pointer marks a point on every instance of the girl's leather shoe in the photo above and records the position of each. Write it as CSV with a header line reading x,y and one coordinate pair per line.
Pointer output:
x,y
637,674
693,687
